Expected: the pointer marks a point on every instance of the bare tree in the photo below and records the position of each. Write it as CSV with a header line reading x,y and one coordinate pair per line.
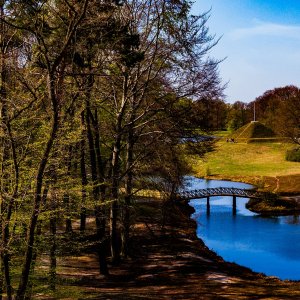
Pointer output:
x,y
161,59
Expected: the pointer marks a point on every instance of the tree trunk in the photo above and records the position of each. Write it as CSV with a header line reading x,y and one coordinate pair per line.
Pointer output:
x,y
66,197
96,194
38,235
115,164
52,271
128,191
84,180
100,210
1,261
38,192
8,154
69,228
114,208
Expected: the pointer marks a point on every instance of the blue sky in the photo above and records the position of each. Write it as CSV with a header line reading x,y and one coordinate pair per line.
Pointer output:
x,y
261,43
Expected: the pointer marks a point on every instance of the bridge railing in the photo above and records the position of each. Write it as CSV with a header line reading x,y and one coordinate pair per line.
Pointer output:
x,y
219,191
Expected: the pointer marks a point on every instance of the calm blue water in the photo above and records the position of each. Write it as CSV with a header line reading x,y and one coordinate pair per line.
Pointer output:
x,y
267,245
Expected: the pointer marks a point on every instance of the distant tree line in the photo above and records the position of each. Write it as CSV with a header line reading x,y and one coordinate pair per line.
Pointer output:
x,y
95,97
278,109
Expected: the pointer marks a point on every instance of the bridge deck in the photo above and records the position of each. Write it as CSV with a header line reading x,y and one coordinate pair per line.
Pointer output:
x,y
220,191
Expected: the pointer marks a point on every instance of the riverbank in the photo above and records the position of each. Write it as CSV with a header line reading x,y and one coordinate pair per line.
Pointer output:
x,y
284,202
169,262
279,206
260,164
288,185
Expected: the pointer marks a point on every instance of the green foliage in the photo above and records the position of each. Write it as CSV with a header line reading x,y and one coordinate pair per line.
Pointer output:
x,y
234,124
293,155
95,99
207,171
237,116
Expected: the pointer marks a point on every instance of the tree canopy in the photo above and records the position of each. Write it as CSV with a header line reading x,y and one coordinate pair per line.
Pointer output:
x,y
95,99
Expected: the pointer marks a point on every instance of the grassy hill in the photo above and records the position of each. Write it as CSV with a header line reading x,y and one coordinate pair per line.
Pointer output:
x,y
254,132
262,164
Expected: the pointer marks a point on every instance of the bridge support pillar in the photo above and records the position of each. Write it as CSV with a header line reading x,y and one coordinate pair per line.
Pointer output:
x,y
234,205
207,206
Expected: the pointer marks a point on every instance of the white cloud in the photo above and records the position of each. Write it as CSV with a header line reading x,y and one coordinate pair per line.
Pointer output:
x,y
267,29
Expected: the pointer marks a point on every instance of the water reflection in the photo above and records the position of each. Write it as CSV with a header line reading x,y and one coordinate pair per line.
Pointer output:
x,y
268,245
292,220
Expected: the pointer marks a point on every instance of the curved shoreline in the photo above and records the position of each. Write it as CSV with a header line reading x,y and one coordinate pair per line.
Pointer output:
x,y
220,256
169,261
190,210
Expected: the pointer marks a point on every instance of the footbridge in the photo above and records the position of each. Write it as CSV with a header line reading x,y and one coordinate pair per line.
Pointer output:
x,y
220,191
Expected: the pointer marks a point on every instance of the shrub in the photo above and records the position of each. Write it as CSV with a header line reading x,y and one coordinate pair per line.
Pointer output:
x,y
293,155
270,198
207,171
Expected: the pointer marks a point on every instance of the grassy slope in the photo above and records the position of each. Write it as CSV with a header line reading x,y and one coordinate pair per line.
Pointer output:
x,y
253,130
262,164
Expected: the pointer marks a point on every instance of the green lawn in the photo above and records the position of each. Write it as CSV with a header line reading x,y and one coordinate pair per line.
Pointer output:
x,y
260,163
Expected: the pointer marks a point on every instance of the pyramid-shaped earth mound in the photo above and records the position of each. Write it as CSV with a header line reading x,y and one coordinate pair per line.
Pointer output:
x,y
254,132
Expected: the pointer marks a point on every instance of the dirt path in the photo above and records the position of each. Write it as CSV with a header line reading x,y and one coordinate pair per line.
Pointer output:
x,y
171,264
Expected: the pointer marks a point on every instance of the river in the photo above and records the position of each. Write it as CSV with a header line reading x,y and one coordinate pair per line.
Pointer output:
x,y
270,245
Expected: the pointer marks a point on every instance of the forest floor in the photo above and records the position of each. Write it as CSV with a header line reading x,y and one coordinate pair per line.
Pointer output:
x,y
167,262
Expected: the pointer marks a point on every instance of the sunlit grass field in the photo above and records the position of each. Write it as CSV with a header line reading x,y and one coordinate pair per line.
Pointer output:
x,y
261,163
